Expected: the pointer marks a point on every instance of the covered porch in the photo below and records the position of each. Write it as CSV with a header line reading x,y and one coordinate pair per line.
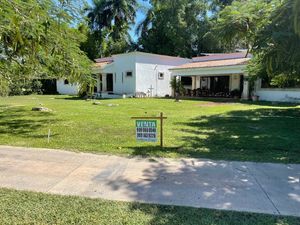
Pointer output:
x,y
104,73
223,78
225,86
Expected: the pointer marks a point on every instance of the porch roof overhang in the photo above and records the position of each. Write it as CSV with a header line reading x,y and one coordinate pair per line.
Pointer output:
x,y
212,67
210,71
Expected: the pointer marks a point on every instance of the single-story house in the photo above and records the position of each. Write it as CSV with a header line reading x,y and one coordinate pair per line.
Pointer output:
x,y
136,72
133,73
144,74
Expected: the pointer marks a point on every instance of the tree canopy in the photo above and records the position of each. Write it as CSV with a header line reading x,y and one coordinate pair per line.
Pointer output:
x,y
179,28
277,47
239,23
37,40
109,22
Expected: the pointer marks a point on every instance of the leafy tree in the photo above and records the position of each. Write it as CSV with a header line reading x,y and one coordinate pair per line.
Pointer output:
x,y
218,5
277,45
37,40
240,22
176,28
109,22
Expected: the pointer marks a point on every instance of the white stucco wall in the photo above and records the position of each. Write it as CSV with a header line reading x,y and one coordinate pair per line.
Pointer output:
x,y
148,67
145,68
124,63
69,89
278,94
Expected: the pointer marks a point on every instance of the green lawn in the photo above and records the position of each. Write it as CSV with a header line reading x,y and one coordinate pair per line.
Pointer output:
x,y
19,207
215,130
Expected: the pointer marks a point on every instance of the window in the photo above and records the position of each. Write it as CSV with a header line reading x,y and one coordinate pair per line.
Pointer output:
x,y
129,74
160,75
66,82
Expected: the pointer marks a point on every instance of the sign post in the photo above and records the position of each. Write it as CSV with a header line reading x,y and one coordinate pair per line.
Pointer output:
x,y
161,130
146,128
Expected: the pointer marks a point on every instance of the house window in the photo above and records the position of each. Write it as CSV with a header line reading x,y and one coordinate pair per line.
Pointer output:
x,y
66,82
129,74
161,75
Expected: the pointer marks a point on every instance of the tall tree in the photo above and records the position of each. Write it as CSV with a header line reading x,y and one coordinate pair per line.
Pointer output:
x,y
109,21
240,22
175,28
37,40
277,48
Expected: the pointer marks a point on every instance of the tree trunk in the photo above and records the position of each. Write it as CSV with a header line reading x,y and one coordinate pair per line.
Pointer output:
x,y
176,96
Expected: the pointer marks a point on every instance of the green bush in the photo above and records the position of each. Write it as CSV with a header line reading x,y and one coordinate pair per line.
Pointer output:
x,y
25,87
4,87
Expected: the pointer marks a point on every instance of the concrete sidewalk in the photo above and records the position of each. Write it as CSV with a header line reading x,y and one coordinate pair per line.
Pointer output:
x,y
242,186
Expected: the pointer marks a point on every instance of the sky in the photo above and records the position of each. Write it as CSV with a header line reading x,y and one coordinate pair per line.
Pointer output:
x,y
140,15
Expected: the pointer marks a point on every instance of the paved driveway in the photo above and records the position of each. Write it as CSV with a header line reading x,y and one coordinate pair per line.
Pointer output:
x,y
242,186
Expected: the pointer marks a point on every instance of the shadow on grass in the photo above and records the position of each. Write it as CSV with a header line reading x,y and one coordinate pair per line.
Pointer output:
x,y
269,135
247,102
72,98
20,121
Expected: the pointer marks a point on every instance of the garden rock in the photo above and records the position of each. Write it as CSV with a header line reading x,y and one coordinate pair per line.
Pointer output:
x,y
112,105
40,109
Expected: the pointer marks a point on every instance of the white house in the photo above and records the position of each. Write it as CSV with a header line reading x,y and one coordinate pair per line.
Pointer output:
x,y
145,74
134,73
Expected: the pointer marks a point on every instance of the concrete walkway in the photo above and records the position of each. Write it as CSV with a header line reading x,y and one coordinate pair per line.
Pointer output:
x,y
242,186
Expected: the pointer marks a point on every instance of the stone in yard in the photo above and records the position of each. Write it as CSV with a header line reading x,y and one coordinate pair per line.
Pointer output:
x,y
112,105
41,109
97,103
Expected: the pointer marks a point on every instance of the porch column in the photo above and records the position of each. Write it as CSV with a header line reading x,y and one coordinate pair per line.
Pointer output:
x,y
98,83
104,83
198,78
245,94
193,82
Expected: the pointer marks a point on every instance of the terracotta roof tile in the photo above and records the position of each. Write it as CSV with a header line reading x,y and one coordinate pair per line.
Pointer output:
x,y
215,63
106,59
221,56
101,64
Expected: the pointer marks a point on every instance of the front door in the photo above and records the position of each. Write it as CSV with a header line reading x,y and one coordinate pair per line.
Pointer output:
x,y
110,82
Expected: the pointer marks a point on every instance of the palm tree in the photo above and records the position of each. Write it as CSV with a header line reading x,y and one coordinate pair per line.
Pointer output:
x,y
115,15
143,26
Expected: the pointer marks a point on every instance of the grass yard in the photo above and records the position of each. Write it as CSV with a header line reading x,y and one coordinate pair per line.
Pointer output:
x,y
20,207
215,130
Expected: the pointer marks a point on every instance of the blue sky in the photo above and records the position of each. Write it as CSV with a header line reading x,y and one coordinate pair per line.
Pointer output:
x,y
140,15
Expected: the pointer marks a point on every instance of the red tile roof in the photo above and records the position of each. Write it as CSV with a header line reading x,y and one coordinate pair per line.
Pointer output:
x,y
101,64
105,59
213,63
221,56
